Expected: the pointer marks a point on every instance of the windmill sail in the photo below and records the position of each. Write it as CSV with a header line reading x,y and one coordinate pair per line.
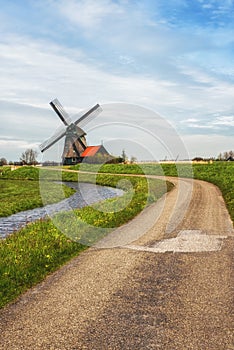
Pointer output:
x,y
52,140
58,108
88,116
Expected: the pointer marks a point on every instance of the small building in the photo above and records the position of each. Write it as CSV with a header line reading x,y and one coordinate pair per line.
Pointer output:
x,y
95,154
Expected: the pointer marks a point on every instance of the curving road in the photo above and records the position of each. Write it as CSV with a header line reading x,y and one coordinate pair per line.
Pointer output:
x,y
163,281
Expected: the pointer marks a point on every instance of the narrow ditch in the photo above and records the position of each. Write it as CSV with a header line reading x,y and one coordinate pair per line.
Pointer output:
x,y
85,195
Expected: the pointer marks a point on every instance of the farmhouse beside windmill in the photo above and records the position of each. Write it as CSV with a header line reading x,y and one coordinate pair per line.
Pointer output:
x,y
75,145
91,154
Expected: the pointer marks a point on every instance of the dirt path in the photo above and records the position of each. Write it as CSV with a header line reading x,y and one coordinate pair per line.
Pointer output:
x,y
171,288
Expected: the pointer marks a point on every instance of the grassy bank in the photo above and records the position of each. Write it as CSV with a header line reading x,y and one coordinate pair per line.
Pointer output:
x,y
19,195
220,174
27,256
93,222
20,190
144,168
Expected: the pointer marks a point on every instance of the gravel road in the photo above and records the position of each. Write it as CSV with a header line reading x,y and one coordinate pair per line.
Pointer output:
x,y
169,285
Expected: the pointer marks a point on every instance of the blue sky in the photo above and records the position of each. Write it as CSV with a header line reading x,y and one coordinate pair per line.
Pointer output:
x,y
175,58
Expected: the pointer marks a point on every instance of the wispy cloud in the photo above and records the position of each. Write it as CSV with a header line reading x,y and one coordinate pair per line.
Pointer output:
x,y
224,120
89,14
215,124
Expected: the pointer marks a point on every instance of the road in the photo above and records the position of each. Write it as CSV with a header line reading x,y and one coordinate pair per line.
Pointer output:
x,y
163,281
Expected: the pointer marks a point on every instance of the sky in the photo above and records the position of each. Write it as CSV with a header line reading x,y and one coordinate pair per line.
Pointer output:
x,y
163,72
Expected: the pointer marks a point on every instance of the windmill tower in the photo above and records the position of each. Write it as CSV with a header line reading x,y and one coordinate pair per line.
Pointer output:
x,y
75,141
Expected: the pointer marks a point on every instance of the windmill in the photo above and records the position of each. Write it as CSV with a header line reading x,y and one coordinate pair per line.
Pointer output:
x,y
75,142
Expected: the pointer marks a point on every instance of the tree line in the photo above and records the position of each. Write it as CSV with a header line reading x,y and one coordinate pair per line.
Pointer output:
x,y
29,157
228,155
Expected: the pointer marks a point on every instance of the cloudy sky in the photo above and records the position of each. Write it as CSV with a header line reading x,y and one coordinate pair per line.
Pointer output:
x,y
174,58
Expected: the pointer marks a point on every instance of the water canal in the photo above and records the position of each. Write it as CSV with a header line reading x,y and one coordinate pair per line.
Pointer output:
x,y
86,194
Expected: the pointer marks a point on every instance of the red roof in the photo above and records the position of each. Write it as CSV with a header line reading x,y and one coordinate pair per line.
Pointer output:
x,y
90,151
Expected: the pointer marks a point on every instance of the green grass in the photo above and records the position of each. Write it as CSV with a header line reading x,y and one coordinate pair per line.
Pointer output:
x,y
184,170
220,174
22,173
93,222
37,250
109,168
27,256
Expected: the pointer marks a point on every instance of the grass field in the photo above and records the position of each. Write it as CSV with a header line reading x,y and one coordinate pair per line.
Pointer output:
x,y
27,256
37,250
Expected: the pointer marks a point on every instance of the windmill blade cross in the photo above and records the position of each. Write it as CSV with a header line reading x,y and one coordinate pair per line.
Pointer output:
x,y
72,128
85,118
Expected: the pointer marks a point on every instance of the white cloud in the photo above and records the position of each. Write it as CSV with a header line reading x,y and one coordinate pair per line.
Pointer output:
x,y
200,126
215,124
190,120
207,6
224,120
89,14
42,72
